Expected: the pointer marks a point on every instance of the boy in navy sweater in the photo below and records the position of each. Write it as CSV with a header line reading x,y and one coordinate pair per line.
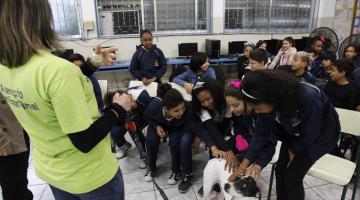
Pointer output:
x,y
148,63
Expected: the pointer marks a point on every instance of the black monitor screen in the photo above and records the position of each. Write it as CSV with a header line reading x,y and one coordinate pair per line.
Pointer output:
x,y
236,47
273,46
187,49
300,44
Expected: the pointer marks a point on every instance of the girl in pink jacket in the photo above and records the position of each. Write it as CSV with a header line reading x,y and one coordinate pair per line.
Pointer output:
x,y
285,55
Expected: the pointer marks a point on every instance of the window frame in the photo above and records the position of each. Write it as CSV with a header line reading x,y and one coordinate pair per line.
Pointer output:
x,y
156,33
78,7
314,6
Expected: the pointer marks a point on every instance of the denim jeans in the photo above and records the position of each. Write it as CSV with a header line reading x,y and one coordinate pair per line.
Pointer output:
x,y
112,190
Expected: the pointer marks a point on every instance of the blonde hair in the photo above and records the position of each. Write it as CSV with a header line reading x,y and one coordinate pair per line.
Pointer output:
x,y
25,27
304,56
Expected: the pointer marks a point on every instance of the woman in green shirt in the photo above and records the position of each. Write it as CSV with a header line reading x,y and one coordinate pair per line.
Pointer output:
x,y
55,104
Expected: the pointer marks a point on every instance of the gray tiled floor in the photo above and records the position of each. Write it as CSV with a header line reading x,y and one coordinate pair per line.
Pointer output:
x,y
137,189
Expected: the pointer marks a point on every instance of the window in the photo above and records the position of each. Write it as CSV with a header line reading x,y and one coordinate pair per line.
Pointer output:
x,y
269,16
66,17
117,17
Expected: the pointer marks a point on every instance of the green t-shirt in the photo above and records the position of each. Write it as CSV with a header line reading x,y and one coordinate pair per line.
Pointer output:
x,y
52,98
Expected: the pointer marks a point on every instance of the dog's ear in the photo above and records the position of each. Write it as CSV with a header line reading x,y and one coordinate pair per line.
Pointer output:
x,y
251,189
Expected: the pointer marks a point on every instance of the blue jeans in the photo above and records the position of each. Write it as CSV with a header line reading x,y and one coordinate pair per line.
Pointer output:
x,y
112,190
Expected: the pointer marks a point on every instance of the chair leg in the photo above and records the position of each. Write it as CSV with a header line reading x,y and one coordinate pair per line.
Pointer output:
x,y
271,180
356,181
344,191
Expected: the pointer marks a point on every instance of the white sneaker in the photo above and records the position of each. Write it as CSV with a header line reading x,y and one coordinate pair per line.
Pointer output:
x,y
121,152
148,175
142,165
174,178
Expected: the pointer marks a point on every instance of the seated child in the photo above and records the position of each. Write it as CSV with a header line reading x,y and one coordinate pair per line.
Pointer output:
x,y
324,70
340,91
169,115
140,98
198,69
243,61
148,63
258,59
299,67
285,55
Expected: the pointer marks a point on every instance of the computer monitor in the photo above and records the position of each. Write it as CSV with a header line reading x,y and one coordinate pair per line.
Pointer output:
x,y
273,46
301,44
236,47
187,49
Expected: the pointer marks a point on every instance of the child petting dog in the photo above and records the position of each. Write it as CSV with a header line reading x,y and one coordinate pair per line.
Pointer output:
x,y
298,114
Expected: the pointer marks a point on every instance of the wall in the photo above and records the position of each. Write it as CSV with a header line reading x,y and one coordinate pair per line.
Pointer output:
x,y
326,13
169,44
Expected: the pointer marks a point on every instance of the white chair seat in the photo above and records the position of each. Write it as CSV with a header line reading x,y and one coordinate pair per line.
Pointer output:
x,y
333,169
276,154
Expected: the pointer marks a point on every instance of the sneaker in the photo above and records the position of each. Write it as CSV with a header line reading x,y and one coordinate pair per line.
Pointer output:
x,y
185,183
201,191
148,175
174,178
122,151
142,165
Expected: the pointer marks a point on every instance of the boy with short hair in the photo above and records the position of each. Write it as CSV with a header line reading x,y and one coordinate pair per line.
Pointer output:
x,y
341,92
299,67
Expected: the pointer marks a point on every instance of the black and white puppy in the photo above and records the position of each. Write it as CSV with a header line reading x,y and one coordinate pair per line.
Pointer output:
x,y
243,186
214,173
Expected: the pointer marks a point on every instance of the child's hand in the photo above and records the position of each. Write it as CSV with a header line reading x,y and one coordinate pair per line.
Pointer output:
x,y
160,131
188,87
231,162
151,80
254,172
241,170
145,81
218,153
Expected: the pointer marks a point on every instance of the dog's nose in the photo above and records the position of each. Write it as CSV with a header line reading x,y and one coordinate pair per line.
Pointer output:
x,y
227,186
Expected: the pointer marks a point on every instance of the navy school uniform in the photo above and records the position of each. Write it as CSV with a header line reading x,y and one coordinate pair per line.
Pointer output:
x,y
313,129
316,65
217,129
307,77
342,96
148,63
118,132
180,133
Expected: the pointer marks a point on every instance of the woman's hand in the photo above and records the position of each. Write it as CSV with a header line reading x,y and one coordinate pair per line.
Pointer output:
x,y
107,56
254,172
218,153
188,87
123,100
160,131
231,162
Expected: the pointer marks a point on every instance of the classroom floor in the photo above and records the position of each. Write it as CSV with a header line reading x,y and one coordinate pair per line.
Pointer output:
x,y
137,189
